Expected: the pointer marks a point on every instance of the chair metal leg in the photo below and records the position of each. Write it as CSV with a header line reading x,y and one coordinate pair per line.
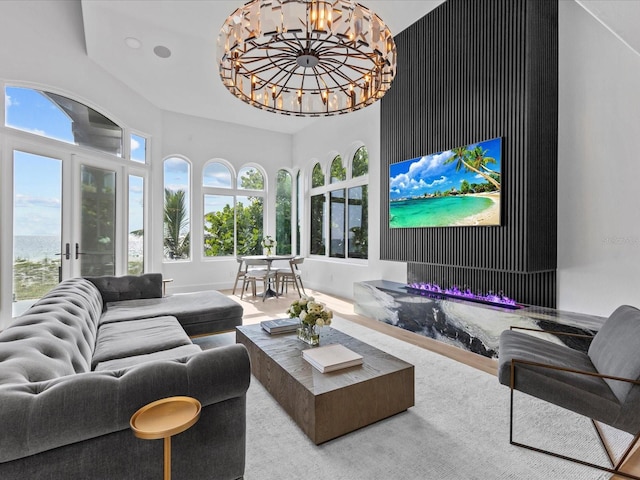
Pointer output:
x,y
615,469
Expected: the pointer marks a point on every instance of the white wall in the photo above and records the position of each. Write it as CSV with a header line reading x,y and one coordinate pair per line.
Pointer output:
x,y
321,142
201,140
598,167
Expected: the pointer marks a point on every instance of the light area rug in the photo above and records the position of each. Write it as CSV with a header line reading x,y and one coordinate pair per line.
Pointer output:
x,y
458,429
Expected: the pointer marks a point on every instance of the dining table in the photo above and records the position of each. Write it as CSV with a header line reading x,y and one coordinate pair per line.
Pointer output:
x,y
269,292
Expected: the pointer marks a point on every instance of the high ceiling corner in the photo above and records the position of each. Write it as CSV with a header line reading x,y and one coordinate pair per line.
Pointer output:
x,y
166,51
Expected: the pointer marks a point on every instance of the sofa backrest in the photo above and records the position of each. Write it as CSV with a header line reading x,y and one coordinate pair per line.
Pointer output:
x,y
53,338
615,349
128,287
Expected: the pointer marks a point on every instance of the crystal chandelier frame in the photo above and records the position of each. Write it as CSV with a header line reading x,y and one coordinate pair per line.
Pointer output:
x,y
306,57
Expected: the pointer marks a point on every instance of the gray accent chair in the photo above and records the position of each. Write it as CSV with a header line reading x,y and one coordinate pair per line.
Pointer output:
x,y
602,384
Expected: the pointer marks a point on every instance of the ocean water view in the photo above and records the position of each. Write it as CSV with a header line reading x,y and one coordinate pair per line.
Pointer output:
x,y
36,247
39,247
435,212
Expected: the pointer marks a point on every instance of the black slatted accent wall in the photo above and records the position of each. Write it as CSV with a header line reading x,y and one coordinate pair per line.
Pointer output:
x,y
472,70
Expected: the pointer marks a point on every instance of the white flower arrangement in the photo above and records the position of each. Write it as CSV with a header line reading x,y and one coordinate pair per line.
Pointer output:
x,y
268,242
310,312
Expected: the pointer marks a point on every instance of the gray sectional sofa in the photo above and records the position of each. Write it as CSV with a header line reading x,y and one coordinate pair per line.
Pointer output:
x,y
90,353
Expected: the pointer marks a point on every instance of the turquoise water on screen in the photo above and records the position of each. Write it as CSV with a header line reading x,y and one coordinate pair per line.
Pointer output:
x,y
435,212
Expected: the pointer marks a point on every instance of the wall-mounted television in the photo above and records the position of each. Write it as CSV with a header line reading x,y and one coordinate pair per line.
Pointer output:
x,y
456,188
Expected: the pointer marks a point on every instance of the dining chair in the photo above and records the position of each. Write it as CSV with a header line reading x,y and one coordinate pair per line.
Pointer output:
x,y
291,275
240,273
257,270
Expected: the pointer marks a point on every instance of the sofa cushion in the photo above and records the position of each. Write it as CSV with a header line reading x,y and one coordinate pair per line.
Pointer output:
x,y
138,337
128,287
198,312
176,353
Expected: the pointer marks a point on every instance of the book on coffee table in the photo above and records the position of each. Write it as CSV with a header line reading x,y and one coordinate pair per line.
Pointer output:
x,y
280,325
330,358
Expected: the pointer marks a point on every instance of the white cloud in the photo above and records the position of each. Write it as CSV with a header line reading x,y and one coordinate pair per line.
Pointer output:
x,y
439,181
41,202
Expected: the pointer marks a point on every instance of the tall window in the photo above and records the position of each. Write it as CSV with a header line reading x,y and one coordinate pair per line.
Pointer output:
x,y
337,210
177,235
135,258
358,207
317,223
283,212
299,202
347,197
233,217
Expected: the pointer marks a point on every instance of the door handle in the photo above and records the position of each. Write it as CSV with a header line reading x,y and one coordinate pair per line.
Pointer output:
x,y
78,252
66,253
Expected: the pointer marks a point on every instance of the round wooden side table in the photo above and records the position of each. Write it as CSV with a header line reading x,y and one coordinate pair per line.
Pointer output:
x,y
164,418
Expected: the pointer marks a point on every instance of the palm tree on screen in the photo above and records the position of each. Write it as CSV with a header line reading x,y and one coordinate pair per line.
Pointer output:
x,y
176,221
472,161
479,160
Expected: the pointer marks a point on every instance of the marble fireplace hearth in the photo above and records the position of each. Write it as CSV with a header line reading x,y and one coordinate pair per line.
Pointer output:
x,y
474,327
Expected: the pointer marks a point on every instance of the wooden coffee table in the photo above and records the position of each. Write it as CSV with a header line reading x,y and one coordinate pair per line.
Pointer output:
x,y
328,405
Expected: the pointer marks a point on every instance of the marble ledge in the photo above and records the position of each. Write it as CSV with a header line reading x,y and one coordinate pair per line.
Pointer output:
x,y
473,326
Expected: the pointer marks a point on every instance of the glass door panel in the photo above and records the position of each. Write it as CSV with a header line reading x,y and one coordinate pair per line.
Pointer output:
x,y
37,227
96,250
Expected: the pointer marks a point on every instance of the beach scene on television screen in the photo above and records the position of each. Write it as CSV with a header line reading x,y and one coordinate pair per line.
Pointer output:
x,y
458,187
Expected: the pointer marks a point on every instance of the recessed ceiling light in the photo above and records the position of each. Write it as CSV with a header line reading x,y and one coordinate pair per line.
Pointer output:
x,y
133,42
162,51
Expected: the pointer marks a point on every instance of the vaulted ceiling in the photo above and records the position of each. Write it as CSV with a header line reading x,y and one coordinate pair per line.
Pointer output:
x,y
129,39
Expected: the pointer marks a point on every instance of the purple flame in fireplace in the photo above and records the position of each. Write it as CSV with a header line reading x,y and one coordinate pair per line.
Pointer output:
x,y
466,294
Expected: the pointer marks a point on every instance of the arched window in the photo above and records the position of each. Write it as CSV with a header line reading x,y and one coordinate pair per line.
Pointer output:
x,y
339,211
105,163
360,165
250,212
338,172
358,206
283,212
317,176
233,217
177,237
216,175
250,179
61,118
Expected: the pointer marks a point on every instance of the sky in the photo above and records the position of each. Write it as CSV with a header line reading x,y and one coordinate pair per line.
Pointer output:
x,y
428,174
38,179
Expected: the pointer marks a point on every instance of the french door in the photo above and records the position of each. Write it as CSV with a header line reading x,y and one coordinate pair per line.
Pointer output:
x,y
66,221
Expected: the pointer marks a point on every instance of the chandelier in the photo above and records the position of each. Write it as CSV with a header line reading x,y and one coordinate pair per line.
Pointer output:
x,y
306,57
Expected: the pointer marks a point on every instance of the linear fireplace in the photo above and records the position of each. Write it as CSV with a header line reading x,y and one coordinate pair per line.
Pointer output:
x,y
498,299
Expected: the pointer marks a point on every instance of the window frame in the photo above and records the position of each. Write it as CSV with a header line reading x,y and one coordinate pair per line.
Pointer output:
x,y
326,189
189,203
233,191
